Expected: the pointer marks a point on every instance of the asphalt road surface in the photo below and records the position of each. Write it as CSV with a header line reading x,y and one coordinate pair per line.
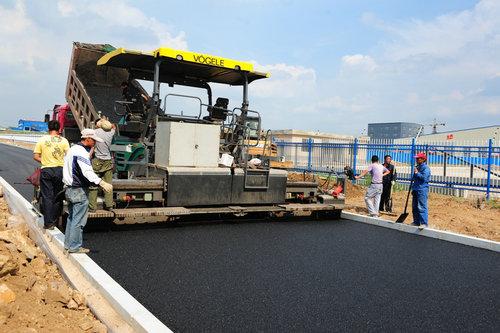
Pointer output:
x,y
296,276
17,164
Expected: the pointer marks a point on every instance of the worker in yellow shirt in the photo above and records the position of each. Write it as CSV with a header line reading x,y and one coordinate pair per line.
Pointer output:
x,y
49,151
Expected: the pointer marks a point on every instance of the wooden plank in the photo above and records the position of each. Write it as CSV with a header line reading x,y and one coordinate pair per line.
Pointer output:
x,y
281,165
260,151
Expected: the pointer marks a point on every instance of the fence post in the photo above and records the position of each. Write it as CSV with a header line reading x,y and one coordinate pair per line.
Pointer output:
x,y
445,162
488,177
309,154
412,159
354,154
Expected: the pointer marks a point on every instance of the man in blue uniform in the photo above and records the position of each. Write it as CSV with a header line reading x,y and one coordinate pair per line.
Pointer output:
x,y
420,192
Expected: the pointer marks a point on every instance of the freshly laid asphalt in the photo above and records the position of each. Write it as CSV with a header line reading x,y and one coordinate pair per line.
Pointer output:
x,y
294,276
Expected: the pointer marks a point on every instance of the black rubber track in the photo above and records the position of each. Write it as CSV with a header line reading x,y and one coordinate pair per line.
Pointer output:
x,y
301,276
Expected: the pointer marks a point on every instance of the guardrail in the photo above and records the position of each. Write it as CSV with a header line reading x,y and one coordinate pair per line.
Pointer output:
x,y
471,166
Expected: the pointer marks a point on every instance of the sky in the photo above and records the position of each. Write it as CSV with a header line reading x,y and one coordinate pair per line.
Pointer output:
x,y
335,65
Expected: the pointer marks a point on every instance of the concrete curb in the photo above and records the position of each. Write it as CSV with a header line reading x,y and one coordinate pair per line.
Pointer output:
x,y
130,310
428,232
20,147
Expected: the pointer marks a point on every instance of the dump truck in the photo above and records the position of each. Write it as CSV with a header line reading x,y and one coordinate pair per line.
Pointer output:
x,y
170,165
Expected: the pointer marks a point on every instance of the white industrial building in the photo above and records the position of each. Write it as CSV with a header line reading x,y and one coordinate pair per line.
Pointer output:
x,y
292,135
296,148
470,134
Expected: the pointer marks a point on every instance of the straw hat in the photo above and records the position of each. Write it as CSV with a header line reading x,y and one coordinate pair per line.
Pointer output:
x,y
105,125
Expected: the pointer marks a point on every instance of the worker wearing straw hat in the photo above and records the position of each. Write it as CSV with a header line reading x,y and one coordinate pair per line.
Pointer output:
x,y
102,162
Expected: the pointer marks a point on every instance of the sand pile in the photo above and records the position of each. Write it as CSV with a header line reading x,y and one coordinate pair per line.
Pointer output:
x,y
33,295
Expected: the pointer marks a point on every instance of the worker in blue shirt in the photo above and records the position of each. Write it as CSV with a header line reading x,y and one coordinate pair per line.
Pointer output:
x,y
420,192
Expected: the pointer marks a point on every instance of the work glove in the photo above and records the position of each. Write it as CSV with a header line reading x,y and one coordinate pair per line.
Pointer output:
x,y
393,183
107,187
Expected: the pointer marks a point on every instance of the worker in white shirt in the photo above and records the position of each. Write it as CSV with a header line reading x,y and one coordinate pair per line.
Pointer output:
x,y
78,176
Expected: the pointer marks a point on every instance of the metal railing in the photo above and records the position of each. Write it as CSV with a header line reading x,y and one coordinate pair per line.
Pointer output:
x,y
459,165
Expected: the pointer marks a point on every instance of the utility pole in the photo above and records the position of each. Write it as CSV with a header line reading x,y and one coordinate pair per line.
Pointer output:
x,y
435,125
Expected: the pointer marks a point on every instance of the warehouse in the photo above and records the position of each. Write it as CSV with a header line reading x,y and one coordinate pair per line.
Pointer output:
x,y
470,134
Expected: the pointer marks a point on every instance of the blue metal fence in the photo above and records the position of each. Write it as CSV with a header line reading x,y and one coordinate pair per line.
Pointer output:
x,y
465,165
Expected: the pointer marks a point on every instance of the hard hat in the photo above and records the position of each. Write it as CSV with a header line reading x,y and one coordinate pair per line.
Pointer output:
x,y
90,133
421,155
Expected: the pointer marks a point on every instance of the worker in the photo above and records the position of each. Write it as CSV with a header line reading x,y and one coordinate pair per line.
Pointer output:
x,y
387,183
420,192
49,151
78,175
102,163
134,96
372,196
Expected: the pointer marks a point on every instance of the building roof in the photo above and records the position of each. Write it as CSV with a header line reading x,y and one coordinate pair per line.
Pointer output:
x,y
311,134
395,123
462,130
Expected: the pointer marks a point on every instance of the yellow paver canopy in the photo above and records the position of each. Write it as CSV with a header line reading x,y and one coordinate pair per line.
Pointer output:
x,y
180,65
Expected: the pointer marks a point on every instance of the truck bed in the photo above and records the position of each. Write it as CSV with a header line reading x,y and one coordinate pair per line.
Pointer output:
x,y
92,89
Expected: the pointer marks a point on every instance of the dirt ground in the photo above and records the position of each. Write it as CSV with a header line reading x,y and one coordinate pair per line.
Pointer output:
x,y
465,216
33,295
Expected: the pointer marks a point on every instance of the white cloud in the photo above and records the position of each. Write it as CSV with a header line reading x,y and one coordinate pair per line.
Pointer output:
x,y
412,98
286,81
66,8
30,43
446,67
359,62
22,41
456,95
442,67
356,104
117,13
445,36
37,38
13,20
492,108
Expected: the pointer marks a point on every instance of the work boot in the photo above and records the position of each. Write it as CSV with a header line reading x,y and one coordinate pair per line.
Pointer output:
x,y
422,226
49,226
413,224
80,250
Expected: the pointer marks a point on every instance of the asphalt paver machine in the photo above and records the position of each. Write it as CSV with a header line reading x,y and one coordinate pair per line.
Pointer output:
x,y
171,165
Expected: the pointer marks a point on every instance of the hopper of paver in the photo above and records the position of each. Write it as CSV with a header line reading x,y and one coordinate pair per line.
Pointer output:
x,y
93,90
